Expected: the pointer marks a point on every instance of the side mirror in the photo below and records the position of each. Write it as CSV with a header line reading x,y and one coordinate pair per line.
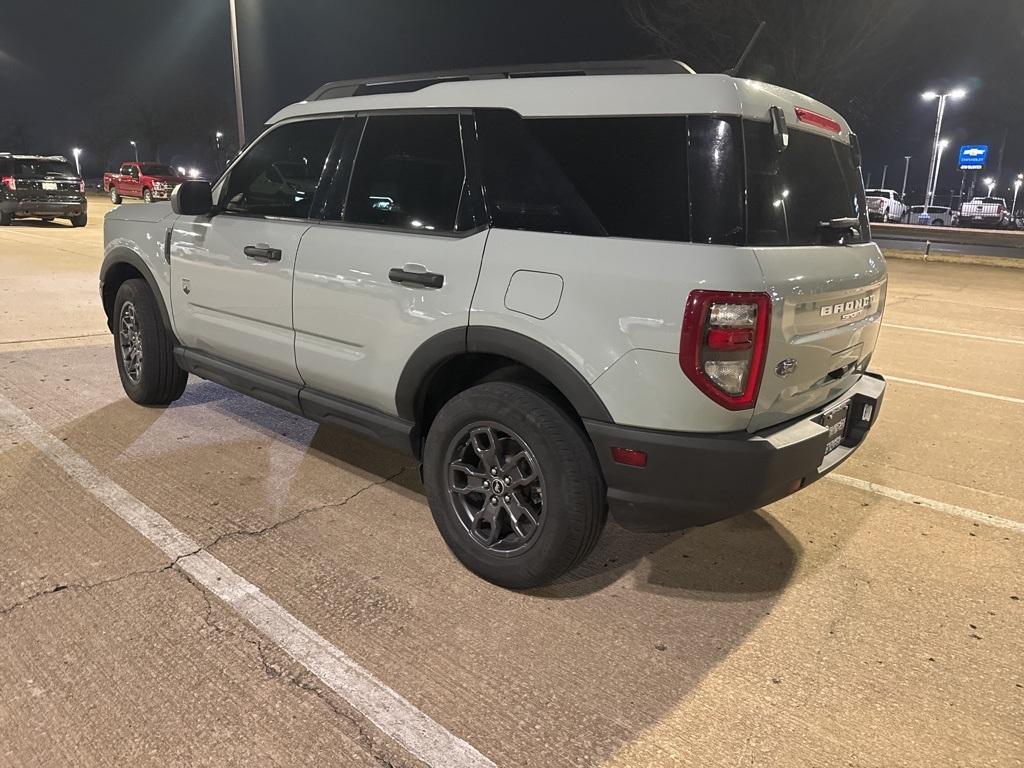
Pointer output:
x,y
192,198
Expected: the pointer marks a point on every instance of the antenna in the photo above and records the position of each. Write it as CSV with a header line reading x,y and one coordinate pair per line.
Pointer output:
x,y
746,51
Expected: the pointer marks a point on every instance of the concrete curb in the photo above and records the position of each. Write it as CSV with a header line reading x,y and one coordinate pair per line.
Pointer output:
x,y
981,261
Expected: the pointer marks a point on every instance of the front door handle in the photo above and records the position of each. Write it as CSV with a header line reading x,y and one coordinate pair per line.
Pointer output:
x,y
426,279
263,252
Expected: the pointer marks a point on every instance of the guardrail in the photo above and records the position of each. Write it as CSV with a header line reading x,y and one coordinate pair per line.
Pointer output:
x,y
949,235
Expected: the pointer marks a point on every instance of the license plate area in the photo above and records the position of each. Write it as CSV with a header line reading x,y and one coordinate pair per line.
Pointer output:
x,y
50,186
836,421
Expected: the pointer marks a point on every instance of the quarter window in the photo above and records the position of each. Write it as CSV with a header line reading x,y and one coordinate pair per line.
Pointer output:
x,y
279,175
409,173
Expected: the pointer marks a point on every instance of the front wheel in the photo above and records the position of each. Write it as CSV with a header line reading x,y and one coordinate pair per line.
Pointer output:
x,y
513,484
147,195
115,198
145,352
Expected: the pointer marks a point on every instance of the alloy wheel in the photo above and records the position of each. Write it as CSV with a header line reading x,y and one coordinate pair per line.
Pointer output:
x,y
129,339
495,487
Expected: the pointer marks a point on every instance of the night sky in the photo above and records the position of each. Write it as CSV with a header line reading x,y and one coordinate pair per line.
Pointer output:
x,y
93,74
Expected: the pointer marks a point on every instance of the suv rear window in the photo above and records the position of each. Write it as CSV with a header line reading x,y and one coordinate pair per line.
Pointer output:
x,y
791,193
42,168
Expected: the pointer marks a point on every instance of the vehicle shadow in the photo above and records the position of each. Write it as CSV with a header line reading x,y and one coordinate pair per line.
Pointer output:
x,y
740,558
40,224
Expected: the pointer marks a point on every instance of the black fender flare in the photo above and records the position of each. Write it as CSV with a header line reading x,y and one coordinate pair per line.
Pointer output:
x,y
515,346
128,256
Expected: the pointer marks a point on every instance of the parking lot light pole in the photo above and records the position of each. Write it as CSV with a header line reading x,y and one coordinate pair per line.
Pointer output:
x,y
1016,191
135,148
238,76
77,153
938,164
991,184
933,172
885,171
906,172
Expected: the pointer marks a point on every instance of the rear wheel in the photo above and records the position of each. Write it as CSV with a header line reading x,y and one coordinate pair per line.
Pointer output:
x,y
513,485
143,346
147,195
938,223
6,219
48,219
115,198
80,220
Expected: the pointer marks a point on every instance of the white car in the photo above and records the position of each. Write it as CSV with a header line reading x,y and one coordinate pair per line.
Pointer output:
x,y
885,205
620,287
932,215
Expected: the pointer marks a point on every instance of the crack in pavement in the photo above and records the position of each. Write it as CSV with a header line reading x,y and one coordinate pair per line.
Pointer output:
x,y
242,533
370,741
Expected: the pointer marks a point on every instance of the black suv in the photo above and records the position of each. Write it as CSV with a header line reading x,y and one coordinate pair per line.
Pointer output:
x,y
42,187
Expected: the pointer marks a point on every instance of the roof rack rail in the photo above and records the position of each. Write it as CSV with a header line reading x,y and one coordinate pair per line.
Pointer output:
x,y
414,82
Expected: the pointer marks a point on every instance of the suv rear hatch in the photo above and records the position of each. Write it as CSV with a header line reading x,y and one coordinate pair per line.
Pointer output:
x,y
43,180
807,222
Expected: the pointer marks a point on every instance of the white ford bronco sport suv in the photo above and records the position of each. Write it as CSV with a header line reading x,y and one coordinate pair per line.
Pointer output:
x,y
615,286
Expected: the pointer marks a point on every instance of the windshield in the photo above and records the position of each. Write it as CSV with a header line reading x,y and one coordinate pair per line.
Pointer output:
x,y
794,194
43,168
156,169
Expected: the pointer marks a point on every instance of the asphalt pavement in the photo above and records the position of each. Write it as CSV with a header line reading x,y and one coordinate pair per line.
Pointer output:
x,y
221,583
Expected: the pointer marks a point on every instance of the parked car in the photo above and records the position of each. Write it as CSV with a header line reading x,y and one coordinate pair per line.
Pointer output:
x,y
885,205
45,187
932,215
676,331
986,212
150,181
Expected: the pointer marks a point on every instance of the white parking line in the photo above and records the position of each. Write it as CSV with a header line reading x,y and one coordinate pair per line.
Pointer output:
x,y
424,738
989,395
954,333
939,506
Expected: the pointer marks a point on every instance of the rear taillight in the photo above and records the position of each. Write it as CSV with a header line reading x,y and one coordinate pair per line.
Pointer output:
x,y
723,345
8,181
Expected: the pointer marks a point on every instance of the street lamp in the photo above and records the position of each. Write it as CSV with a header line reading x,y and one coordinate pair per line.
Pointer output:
x,y
77,153
238,74
956,94
135,148
1016,191
938,164
906,171
991,184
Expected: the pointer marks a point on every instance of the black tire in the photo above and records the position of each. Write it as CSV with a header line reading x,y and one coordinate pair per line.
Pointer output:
x,y
938,223
147,195
158,380
80,220
115,196
6,219
573,510
885,217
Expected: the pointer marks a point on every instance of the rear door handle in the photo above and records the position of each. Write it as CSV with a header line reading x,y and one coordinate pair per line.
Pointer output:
x,y
263,252
426,279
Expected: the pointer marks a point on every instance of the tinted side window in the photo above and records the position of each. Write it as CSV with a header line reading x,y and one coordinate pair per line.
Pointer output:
x,y
524,187
409,173
279,175
790,193
630,171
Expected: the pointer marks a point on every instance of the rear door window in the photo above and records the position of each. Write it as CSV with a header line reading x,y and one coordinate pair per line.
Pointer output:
x,y
409,173
790,194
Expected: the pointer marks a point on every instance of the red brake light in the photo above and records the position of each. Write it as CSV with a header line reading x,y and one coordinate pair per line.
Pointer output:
x,y
818,121
8,181
723,345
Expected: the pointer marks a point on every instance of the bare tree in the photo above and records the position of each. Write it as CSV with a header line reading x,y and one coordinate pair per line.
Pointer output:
x,y
825,48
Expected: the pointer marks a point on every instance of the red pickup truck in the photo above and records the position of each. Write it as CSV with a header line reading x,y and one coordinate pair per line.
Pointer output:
x,y
150,181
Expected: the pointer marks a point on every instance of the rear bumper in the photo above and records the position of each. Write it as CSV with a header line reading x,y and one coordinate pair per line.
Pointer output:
x,y
55,208
694,479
